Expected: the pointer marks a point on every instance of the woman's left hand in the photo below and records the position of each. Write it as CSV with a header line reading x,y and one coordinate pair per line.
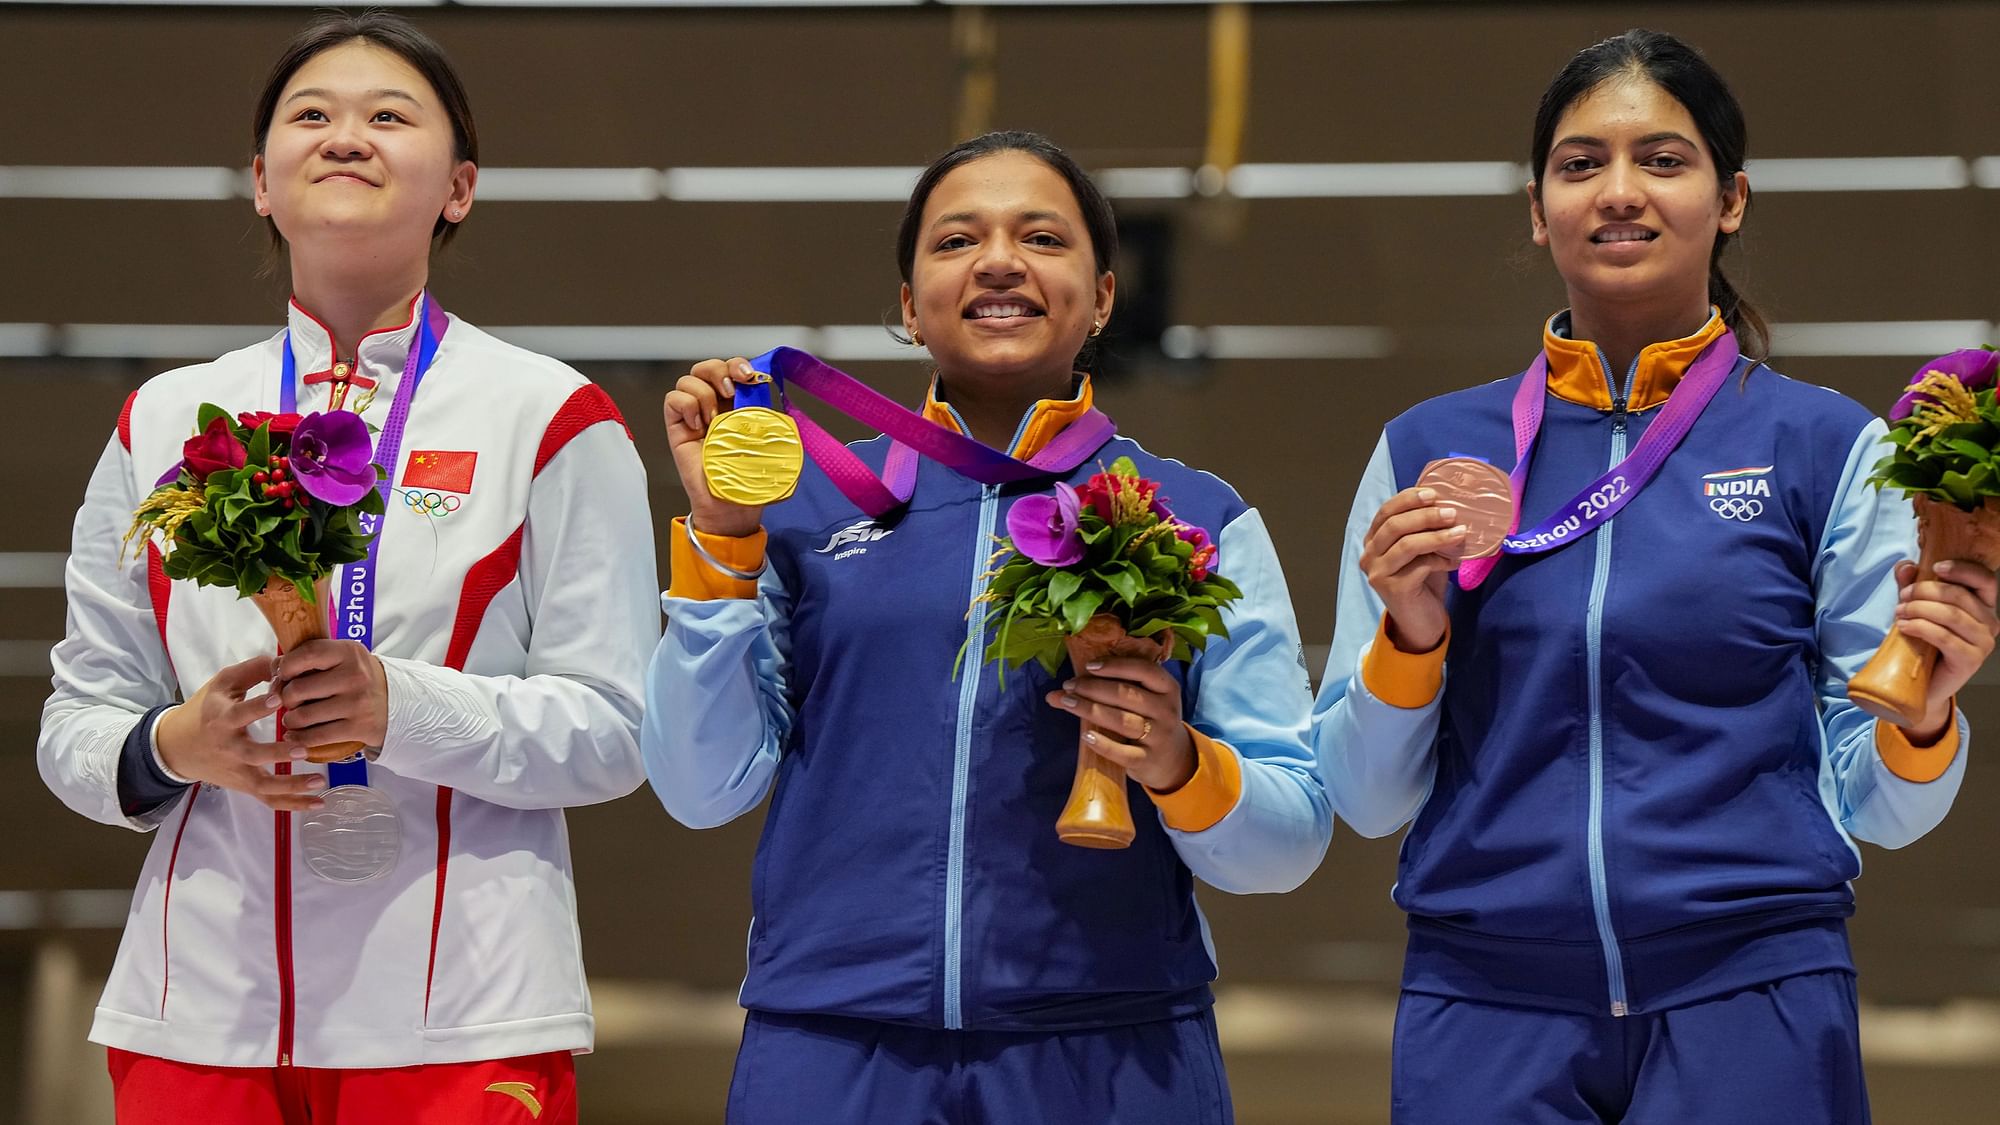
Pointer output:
x,y
1131,711
334,691
1953,613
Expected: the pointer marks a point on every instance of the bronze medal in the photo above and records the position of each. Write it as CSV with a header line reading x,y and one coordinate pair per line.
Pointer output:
x,y
1483,496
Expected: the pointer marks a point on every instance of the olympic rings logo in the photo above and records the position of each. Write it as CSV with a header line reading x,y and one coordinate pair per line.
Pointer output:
x,y
1735,508
433,504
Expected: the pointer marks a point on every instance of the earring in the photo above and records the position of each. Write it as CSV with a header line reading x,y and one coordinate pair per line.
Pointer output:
x,y
916,337
1096,330
456,213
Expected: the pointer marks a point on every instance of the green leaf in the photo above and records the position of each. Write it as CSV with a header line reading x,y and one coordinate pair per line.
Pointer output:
x,y
1123,579
1078,609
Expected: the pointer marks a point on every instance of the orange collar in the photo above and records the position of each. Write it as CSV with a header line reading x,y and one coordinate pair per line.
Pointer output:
x,y
1039,426
1577,368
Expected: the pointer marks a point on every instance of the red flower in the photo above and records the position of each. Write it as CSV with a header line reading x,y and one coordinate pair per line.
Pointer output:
x,y
212,450
1099,492
1202,563
1108,493
282,425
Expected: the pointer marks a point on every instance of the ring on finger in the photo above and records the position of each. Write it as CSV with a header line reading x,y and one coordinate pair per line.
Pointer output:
x,y
1146,731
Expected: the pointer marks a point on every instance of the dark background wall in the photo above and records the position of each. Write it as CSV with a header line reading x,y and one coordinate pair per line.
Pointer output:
x,y
1449,285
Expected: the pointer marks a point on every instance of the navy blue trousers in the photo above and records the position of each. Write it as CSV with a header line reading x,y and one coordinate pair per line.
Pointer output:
x,y
1788,1051
831,1070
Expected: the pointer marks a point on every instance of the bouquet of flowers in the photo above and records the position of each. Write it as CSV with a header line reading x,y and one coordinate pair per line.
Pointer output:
x,y
1945,457
1102,570
268,504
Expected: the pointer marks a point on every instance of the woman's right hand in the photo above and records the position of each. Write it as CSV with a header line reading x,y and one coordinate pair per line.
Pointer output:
x,y
1412,545
690,408
207,739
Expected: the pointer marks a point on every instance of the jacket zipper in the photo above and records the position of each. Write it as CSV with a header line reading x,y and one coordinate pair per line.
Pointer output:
x,y
968,700
1600,579
282,902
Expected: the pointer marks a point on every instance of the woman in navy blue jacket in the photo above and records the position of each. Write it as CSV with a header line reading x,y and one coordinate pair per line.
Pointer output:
x,y
1632,768
924,949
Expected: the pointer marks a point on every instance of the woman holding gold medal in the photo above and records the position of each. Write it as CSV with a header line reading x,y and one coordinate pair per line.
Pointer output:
x,y
924,947
1622,728
390,938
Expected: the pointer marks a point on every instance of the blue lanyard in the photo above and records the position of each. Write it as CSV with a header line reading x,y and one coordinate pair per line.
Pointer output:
x,y
354,594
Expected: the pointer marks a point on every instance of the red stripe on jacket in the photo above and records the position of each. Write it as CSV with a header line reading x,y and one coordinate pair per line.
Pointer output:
x,y
484,580
125,422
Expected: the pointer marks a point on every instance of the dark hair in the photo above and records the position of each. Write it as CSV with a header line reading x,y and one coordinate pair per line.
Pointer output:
x,y
1098,219
1688,78
394,34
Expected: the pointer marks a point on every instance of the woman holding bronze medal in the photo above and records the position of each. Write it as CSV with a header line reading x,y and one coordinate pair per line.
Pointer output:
x,y
925,947
389,937
1621,728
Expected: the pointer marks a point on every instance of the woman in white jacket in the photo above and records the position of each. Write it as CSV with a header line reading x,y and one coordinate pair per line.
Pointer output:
x,y
512,613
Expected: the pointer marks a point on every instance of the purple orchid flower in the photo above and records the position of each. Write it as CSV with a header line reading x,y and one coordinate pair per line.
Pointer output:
x,y
1974,368
331,457
1043,527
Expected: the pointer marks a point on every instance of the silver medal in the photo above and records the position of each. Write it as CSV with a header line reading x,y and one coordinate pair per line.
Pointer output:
x,y
355,837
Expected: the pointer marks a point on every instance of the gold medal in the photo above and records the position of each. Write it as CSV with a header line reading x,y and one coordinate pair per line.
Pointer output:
x,y
752,454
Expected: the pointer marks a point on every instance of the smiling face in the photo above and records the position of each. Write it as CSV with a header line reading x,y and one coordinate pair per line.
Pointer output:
x,y
361,147
1004,287
1629,202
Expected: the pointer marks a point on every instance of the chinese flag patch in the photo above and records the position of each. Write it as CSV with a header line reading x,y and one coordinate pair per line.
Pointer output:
x,y
446,470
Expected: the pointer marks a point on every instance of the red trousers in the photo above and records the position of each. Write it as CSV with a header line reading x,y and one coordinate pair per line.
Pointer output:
x,y
531,1090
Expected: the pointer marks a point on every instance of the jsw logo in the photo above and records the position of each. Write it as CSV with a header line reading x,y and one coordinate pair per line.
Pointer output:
x,y
851,537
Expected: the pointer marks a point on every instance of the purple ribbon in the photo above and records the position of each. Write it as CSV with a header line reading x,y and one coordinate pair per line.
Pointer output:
x,y
912,434
1606,496
352,615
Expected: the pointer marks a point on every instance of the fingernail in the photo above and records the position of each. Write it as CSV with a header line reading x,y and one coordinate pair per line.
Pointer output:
x,y
1069,685
272,702
1426,495
299,753
1090,736
1943,567
316,782
1094,666
1460,531
1069,701
1448,513
316,804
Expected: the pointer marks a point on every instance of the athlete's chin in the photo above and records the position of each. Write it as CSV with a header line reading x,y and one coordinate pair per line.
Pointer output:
x,y
1002,359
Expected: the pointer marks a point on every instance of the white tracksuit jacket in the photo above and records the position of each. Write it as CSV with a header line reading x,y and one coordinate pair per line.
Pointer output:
x,y
514,627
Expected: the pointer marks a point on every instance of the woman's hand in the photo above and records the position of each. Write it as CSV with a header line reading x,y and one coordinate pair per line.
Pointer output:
x,y
690,408
1410,547
334,691
1953,613
207,739
1131,709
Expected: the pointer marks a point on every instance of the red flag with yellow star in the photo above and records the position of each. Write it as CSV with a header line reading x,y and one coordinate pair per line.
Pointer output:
x,y
445,470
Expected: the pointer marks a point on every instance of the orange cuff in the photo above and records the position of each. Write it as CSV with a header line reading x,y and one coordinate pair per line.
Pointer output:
x,y
1403,679
692,578
1917,763
1205,798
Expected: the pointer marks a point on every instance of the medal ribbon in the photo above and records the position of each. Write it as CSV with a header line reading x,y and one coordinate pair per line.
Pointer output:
x,y
1606,496
352,616
912,434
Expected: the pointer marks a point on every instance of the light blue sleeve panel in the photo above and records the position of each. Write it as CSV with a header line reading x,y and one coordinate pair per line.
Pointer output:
x,y
717,716
1377,758
1854,587
1251,694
